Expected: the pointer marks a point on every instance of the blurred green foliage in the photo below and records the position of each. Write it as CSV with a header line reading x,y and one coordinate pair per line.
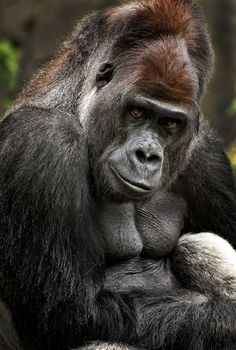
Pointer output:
x,y
232,108
232,156
9,68
9,63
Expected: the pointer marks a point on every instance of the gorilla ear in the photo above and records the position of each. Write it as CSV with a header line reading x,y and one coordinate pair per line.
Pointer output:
x,y
104,74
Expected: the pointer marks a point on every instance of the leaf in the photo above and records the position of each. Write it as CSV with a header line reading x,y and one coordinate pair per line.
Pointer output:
x,y
231,152
9,63
231,111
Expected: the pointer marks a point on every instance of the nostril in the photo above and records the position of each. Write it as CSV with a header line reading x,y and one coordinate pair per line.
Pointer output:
x,y
147,158
141,156
154,159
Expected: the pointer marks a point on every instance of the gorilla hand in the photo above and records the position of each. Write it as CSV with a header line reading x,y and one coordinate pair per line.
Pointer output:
x,y
206,263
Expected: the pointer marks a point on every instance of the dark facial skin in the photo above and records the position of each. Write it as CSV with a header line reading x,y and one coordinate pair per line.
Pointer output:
x,y
147,144
145,147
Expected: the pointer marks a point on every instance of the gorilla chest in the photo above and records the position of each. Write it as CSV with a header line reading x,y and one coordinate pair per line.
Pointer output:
x,y
150,230
120,235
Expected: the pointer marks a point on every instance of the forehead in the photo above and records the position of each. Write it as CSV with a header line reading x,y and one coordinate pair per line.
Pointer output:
x,y
161,69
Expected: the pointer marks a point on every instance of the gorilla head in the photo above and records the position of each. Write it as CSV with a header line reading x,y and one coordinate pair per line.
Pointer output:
x,y
140,108
133,75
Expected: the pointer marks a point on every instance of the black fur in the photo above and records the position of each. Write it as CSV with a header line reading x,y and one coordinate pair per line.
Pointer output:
x,y
57,280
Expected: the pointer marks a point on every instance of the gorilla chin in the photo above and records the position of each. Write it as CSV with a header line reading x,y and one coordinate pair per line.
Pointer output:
x,y
133,188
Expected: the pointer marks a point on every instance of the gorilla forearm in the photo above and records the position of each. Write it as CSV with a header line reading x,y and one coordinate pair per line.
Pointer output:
x,y
187,320
201,298
205,265
183,319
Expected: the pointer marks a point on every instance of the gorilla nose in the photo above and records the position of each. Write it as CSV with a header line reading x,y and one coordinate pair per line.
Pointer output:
x,y
146,157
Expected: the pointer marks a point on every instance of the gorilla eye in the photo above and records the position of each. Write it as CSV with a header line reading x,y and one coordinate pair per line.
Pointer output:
x,y
169,123
104,74
138,112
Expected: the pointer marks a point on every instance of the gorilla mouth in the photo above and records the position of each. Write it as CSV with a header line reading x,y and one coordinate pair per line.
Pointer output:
x,y
135,186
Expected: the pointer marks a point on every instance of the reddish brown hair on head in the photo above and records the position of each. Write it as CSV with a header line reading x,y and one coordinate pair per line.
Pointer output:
x,y
162,44
164,71
171,38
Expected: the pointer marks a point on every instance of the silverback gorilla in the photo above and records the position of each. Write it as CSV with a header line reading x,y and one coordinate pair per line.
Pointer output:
x,y
110,187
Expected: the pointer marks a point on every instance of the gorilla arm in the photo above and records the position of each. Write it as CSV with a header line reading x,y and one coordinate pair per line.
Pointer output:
x,y
198,310
188,298
50,253
41,152
208,187
203,315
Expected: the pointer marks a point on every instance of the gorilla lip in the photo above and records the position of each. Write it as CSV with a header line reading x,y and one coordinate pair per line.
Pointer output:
x,y
140,187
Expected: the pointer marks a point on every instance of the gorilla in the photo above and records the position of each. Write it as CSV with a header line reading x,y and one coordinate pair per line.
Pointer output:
x,y
117,201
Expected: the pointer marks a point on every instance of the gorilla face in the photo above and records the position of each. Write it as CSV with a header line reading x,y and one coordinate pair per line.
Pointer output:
x,y
138,154
135,167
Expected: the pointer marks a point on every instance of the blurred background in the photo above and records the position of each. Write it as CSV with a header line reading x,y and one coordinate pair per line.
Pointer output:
x,y
30,31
